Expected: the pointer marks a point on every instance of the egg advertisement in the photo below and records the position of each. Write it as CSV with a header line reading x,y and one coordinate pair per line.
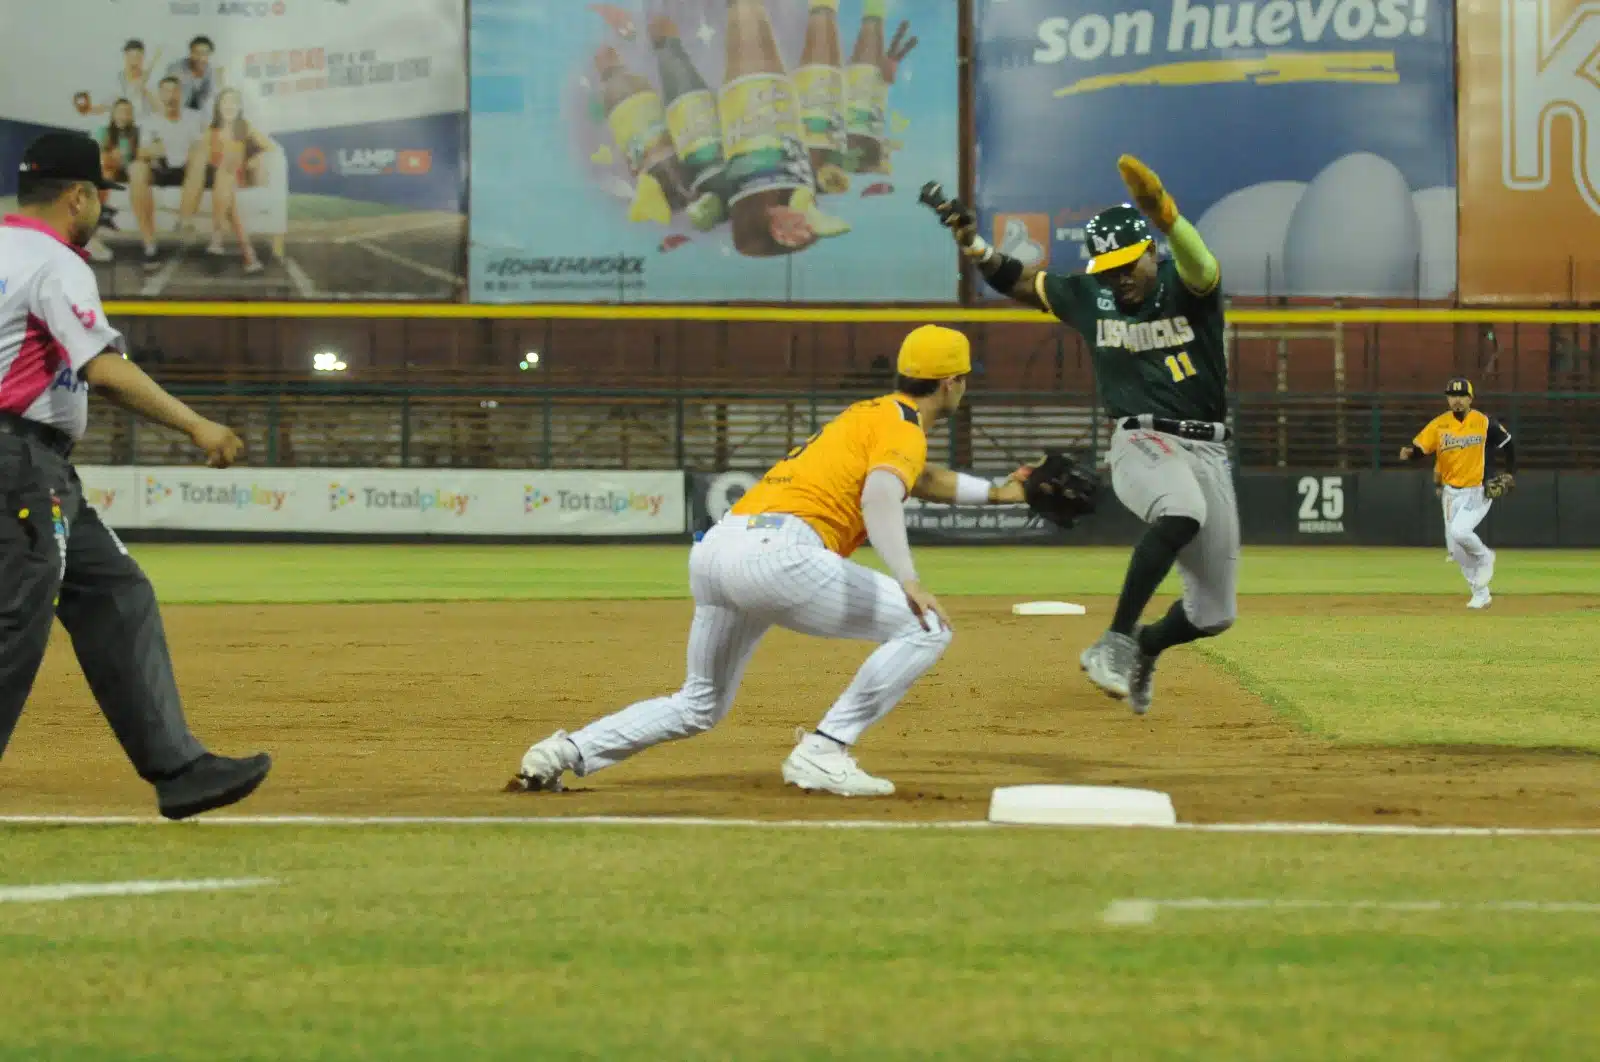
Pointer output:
x,y
711,150
1312,143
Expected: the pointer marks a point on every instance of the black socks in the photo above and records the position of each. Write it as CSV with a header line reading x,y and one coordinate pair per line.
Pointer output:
x,y
1172,629
1152,559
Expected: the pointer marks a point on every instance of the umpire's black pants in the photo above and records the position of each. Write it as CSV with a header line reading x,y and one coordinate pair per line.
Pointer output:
x,y
58,559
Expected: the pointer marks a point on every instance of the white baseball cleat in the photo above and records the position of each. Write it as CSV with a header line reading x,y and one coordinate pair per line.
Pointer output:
x,y
820,764
1480,598
545,763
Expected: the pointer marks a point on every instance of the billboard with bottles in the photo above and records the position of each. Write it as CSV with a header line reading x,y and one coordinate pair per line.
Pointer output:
x,y
711,150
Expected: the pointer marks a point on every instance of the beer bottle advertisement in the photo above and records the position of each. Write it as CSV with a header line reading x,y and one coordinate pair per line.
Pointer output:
x,y
820,83
711,150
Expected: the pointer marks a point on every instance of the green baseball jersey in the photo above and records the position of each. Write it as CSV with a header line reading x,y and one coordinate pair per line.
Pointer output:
x,y
1165,358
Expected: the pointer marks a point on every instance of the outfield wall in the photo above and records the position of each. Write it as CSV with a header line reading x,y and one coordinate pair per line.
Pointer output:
x,y
1548,509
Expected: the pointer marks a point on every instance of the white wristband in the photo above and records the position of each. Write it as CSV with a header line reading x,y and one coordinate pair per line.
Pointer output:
x,y
979,249
972,490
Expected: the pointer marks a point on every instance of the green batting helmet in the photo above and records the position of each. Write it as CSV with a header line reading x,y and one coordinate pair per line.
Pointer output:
x,y
1116,237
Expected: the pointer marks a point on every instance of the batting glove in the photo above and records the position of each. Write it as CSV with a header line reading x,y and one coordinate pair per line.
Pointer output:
x,y
1148,192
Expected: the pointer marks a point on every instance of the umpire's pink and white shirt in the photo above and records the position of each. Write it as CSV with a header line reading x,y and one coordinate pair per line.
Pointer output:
x,y
51,326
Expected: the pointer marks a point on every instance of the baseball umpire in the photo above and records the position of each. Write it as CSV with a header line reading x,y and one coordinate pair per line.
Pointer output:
x,y
1154,327
56,558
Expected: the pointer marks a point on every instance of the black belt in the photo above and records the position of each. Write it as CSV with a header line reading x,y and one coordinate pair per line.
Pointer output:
x,y
1198,430
53,439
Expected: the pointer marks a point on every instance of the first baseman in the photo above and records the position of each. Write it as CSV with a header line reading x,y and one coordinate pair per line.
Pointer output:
x,y
1466,446
780,558
1154,327
57,560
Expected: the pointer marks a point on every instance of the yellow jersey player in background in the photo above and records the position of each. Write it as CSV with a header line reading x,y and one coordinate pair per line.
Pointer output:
x,y
780,557
1467,447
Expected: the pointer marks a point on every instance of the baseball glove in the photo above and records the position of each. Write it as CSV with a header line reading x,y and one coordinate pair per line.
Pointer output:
x,y
1499,486
1058,490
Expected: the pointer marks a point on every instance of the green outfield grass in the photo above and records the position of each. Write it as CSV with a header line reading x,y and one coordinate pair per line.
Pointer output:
x,y
195,574
1450,679
622,943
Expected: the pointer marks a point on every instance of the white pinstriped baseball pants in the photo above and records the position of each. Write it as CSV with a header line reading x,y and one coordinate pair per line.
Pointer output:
x,y
1464,510
747,575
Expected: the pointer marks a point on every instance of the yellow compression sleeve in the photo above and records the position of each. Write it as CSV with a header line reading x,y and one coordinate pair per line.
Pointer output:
x,y
1197,267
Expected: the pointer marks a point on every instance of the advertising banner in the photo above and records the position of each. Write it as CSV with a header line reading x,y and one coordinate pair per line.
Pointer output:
x,y
388,501
711,150
1530,160
1311,142
269,148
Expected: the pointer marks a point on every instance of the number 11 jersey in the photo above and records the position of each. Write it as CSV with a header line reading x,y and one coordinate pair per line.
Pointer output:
x,y
1165,358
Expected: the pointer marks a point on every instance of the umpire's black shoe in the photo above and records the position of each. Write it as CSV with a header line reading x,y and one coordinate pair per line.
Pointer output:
x,y
211,782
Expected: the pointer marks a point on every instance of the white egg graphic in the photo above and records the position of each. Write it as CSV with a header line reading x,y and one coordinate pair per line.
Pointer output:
x,y
1436,213
1246,230
1355,232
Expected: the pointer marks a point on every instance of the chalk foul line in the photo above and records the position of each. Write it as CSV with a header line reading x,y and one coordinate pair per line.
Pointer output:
x,y
1312,828
1144,912
84,890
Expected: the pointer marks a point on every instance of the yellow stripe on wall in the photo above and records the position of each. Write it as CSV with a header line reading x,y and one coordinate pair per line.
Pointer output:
x,y
795,315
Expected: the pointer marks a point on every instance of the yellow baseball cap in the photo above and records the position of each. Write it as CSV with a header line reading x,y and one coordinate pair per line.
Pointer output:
x,y
935,353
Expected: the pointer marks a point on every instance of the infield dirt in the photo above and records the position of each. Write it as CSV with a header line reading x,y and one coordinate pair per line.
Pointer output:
x,y
427,709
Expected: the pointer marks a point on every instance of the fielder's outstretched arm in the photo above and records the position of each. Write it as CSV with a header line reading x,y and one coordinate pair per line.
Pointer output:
x,y
940,484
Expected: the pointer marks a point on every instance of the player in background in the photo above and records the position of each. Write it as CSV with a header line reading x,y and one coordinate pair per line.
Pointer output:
x,y
1154,327
780,557
1467,446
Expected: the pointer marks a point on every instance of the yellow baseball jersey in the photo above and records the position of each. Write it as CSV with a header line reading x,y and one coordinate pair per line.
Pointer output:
x,y
820,480
1459,446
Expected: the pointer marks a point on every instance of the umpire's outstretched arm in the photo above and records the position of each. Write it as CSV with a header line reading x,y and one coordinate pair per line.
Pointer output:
x,y
123,383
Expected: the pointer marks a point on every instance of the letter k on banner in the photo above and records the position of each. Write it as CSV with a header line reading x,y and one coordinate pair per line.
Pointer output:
x,y
1530,151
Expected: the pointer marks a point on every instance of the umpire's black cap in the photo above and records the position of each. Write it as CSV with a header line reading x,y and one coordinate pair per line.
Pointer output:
x,y
1459,385
63,157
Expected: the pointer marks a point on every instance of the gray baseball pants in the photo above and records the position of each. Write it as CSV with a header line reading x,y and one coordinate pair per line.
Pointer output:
x,y
1155,474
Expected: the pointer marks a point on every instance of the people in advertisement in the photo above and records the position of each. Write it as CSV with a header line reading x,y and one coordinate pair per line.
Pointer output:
x,y
200,79
172,156
235,151
131,83
119,141
57,558
780,557
338,170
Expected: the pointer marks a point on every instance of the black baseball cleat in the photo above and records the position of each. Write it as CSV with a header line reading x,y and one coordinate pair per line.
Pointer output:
x,y
211,782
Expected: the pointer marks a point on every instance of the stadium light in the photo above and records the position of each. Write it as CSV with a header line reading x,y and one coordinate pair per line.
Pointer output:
x,y
530,360
328,361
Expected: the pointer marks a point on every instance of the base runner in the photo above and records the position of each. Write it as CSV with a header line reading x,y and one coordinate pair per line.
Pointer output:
x,y
1466,446
1154,327
779,558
